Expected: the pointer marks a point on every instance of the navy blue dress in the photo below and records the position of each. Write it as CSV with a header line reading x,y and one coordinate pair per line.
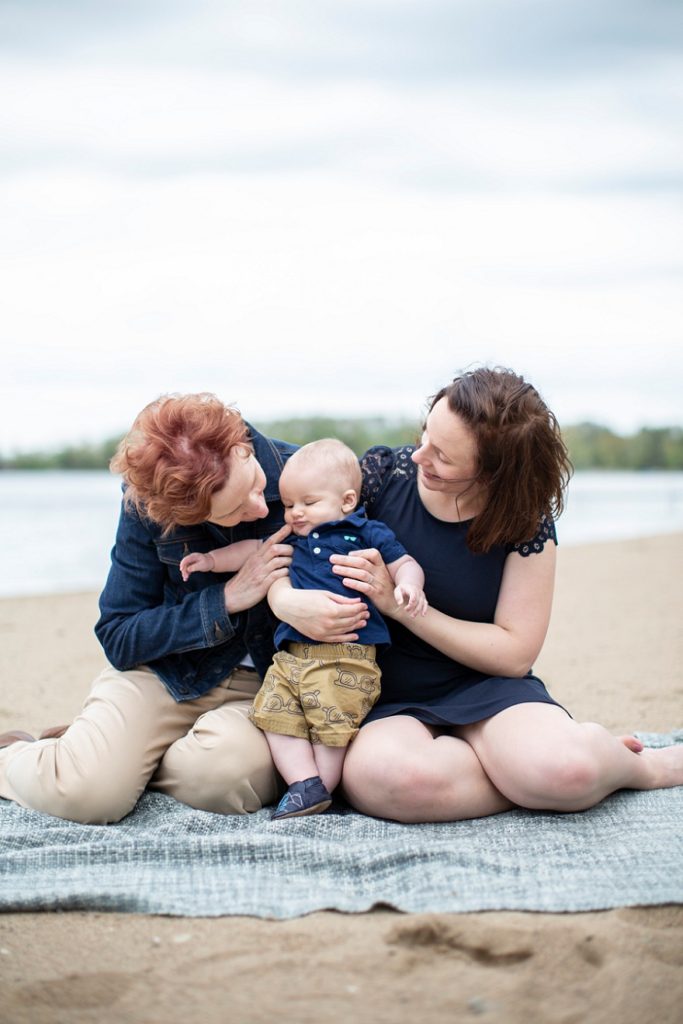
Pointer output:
x,y
417,679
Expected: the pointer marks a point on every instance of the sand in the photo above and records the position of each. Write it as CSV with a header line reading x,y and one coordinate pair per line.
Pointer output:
x,y
613,654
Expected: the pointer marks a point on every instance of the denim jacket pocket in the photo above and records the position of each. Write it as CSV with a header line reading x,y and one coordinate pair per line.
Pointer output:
x,y
172,551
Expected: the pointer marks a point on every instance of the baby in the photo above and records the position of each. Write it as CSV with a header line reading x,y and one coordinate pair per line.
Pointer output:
x,y
314,695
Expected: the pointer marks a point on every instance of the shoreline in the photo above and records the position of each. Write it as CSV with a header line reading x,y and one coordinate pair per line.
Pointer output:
x,y
564,545
614,654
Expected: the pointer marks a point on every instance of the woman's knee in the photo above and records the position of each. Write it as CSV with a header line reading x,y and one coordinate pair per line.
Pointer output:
x,y
578,771
82,805
568,776
49,779
540,758
387,778
222,765
562,777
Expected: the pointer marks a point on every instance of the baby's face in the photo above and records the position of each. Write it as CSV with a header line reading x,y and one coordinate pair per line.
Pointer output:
x,y
310,498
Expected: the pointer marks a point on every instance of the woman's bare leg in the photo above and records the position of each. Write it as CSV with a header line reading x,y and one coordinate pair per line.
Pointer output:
x,y
398,768
540,758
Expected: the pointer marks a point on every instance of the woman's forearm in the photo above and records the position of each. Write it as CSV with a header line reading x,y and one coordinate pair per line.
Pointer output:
x,y
508,646
483,646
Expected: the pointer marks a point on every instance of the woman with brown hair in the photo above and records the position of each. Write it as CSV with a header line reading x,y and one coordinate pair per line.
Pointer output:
x,y
462,727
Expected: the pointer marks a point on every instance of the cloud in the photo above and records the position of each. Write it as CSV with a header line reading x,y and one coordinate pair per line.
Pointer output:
x,y
333,206
316,295
452,96
395,40
599,133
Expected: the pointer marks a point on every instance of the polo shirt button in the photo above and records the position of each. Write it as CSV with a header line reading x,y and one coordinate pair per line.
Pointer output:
x,y
316,551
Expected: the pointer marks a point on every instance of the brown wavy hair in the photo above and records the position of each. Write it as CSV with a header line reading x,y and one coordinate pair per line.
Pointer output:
x,y
175,457
523,461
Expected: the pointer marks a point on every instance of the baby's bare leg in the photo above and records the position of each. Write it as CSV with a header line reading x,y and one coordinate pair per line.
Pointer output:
x,y
330,761
293,757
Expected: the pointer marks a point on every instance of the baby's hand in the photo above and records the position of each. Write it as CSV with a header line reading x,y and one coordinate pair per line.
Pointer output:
x,y
413,597
196,562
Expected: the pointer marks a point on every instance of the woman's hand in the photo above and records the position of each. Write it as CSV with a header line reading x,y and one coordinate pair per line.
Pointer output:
x,y
269,563
366,572
321,615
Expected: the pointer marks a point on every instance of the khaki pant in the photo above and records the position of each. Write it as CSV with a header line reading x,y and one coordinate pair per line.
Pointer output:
x,y
130,734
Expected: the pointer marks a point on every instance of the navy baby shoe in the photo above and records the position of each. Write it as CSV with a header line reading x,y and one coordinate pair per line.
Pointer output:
x,y
307,797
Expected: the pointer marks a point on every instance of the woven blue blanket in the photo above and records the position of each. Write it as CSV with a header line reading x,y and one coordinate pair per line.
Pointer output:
x,y
166,858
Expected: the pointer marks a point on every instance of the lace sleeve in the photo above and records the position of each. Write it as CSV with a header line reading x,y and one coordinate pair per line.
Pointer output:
x,y
375,466
546,532
378,465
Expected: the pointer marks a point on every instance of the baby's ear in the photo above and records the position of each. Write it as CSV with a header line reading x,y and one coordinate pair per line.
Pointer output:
x,y
349,500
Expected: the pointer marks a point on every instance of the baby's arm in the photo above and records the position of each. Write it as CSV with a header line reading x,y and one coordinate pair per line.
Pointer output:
x,y
228,559
410,580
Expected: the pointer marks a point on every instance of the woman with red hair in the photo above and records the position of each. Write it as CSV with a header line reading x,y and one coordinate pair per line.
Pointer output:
x,y
186,656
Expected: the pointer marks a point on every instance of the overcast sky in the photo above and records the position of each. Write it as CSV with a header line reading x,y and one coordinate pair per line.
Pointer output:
x,y
331,206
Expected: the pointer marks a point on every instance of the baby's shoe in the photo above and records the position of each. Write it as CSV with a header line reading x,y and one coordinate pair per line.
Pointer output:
x,y
307,797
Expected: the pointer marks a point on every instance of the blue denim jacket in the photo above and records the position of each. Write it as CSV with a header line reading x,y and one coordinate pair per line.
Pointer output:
x,y
182,631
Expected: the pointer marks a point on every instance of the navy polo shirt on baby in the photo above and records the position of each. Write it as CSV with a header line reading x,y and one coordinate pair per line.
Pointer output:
x,y
311,568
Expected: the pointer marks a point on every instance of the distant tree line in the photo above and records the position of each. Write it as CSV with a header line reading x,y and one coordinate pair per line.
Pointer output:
x,y
590,446
358,434
82,456
594,447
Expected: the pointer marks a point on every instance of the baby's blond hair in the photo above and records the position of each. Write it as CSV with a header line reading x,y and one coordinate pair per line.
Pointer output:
x,y
334,458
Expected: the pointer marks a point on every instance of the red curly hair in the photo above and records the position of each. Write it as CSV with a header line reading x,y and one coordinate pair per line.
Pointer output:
x,y
523,460
176,456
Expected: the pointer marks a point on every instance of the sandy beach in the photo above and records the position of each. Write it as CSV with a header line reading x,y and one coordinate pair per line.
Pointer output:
x,y
614,654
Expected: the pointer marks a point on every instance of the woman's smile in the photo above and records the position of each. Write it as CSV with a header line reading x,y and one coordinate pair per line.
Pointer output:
x,y
429,477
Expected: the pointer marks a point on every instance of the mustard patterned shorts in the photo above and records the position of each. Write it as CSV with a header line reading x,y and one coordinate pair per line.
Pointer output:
x,y
319,692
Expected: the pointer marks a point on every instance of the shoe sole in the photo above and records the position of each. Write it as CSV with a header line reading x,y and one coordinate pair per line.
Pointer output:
x,y
315,809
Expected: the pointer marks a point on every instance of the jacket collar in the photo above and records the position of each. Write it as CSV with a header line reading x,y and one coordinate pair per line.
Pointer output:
x,y
270,460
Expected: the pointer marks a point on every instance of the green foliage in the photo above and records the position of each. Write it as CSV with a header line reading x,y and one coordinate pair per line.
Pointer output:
x,y
84,456
358,434
590,445
594,447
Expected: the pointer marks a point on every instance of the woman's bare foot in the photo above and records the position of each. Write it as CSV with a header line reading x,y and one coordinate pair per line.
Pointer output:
x,y
666,766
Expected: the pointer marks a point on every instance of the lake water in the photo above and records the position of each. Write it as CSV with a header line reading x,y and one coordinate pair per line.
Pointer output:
x,y
58,527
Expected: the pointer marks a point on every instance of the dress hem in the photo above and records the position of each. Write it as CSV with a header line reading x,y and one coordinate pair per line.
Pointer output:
x,y
433,717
